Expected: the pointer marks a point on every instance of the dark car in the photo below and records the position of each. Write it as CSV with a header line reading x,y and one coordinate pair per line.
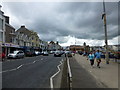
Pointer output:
x,y
103,56
57,54
69,54
29,53
80,52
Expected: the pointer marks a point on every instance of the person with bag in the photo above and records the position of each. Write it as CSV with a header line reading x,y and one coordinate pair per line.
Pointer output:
x,y
98,58
91,57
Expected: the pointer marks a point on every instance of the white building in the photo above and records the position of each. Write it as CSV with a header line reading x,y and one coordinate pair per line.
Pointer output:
x,y
114,47
43,45
54,46
2,27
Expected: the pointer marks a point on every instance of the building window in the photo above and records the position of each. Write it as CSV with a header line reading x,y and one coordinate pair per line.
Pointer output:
x,y
32,38
1,24
32,44
1,36
11,40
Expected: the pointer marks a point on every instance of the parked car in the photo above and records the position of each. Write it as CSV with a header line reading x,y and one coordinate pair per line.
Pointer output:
x,y
57,53
37,53
29,53
45,53
52,52
80,52
16,54
103,56
111,55
69,54
62,52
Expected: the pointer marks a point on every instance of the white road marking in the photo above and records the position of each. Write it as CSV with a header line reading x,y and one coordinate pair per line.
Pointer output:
x,y
8,70
34,61
51,78
18,67
12,69
12,60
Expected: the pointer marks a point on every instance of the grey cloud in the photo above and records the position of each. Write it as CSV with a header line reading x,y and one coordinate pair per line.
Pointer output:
x,y
57,20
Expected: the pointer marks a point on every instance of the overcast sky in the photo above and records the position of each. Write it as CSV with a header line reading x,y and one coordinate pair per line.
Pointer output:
x,y
66,22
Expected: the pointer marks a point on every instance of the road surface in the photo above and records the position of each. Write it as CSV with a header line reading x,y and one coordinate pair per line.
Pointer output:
x,y
30,72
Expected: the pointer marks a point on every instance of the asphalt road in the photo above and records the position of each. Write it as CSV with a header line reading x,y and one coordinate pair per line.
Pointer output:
x,y
30,72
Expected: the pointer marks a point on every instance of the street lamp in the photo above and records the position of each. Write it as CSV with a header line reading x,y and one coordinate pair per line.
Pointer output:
x,y
105,27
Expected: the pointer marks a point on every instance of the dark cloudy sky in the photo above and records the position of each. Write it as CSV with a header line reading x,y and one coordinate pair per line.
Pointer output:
x,y
66,22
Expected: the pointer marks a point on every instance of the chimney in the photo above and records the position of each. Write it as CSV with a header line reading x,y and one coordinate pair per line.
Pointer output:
x,y
1,11
23,26
7,19
0,7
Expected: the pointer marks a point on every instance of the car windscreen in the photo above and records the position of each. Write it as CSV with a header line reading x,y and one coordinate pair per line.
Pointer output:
x,y
15,52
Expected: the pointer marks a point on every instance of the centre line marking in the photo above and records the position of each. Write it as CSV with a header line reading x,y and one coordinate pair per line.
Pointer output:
x,y
12,69
19,66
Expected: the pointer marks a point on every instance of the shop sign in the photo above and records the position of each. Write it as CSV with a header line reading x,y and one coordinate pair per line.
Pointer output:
x,y
9,45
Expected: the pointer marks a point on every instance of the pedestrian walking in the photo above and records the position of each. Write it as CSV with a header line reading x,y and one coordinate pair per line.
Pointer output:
x,y
98,58
91,57
3,56
74,53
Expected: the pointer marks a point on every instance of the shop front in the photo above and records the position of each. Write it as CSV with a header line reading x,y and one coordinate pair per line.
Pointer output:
x,y
9,48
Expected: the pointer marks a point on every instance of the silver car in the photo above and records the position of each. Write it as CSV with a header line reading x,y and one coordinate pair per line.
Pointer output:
x,y
57,53
16,54
45,53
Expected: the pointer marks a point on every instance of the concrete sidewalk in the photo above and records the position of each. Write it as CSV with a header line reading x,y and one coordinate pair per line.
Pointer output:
x,y
107,74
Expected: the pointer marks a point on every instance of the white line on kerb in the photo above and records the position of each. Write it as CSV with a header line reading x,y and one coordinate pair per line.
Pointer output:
x,y
51,78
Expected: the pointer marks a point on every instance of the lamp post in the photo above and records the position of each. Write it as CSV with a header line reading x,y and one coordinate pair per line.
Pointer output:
x,y
105,27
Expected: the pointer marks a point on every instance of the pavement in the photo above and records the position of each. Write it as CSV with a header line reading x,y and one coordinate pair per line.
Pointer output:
x,y
106,76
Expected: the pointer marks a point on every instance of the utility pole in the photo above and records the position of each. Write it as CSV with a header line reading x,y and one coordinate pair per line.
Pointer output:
x,y
105,27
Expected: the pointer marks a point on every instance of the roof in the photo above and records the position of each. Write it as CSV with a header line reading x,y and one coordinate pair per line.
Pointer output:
x,y
24,30
9,25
